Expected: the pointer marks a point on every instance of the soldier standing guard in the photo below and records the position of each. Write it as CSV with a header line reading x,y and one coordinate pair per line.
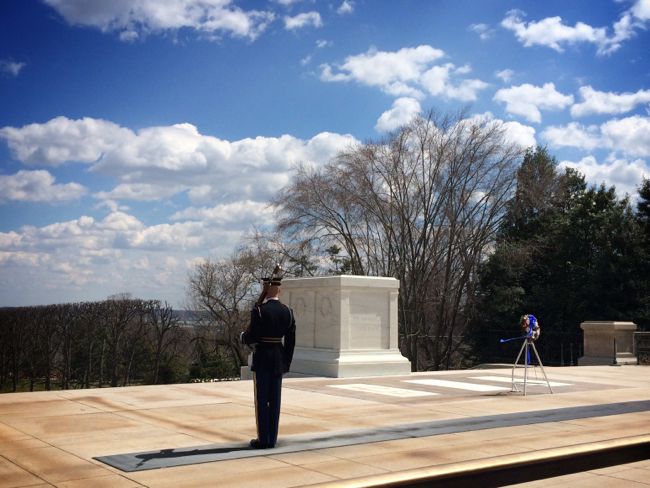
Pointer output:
x,y
272,333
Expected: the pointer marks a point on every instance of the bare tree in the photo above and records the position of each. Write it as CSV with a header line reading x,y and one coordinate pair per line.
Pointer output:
x,y
119,311
90,336
163,324
74,343
268,248
135,341
422,206
14,342
225,290
68,316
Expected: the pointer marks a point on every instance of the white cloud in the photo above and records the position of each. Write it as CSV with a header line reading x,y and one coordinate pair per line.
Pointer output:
x,y
141,192
436,79
37,186
465,90
406,73
347,7
438,82
629,136
243,211
631,20
622,173
89,259
61,140
288,3
483,30
514,132
641,10
573,135
597,102
133,18
171,149
200,194
384,69
11,67
117,230
158,162
302,20
322,43
504,75
527,100
166,237
231,180
115,221
552,32
402,112
9,239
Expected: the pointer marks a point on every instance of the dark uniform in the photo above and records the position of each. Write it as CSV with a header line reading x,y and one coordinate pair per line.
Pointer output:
x,y
270,323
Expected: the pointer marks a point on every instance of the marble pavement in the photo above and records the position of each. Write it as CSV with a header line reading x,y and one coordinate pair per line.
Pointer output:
x,y
53,438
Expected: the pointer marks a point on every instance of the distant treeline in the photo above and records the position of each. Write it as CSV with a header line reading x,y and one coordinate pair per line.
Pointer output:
x,y
115,342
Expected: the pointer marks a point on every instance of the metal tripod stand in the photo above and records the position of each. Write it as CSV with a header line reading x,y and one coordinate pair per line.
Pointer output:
x,y
525,350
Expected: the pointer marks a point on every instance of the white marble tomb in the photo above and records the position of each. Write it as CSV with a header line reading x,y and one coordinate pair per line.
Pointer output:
x,y
346,326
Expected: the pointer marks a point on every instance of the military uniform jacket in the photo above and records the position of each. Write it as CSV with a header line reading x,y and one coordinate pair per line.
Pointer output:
x,y
273,332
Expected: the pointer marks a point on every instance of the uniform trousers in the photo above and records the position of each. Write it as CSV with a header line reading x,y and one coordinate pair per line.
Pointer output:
x,y
268,388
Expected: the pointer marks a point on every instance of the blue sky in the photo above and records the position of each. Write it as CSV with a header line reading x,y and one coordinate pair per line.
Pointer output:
x,y
138,136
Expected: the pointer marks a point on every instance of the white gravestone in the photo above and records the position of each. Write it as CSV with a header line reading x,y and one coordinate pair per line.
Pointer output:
x,y
345,326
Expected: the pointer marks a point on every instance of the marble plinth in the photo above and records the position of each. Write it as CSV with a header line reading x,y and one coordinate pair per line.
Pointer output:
x,y
608,343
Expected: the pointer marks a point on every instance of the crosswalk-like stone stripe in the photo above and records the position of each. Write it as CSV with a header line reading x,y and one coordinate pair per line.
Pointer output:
x,y
384,390
518,379
459,385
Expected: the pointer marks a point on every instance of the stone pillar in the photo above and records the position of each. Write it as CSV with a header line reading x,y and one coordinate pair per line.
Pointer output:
x,y
346,326
608,343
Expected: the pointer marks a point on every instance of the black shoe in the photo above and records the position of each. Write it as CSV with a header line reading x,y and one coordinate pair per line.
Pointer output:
x,y
256,444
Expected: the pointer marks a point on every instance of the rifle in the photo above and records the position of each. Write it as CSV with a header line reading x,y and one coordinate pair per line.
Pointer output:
x,y
275,279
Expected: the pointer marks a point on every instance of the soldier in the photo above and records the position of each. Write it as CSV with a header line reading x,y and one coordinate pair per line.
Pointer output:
x,y
272,333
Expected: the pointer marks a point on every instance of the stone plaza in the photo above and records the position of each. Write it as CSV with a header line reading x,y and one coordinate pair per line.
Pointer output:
x,y
353,415
54,438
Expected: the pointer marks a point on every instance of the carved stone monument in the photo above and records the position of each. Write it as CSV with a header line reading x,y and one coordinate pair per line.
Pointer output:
x,y
608,343
345,326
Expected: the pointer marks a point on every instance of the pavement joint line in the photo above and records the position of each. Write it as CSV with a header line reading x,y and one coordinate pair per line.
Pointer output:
x,y
27,470
149,421
163,458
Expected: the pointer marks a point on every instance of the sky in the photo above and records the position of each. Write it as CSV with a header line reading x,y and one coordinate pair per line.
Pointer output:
x,y
139,137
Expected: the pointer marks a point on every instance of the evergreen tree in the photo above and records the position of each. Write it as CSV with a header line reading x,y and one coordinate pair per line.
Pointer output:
x,y
566,253
643,218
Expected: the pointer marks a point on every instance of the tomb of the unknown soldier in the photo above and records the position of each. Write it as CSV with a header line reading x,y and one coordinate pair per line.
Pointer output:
x,y
348,326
